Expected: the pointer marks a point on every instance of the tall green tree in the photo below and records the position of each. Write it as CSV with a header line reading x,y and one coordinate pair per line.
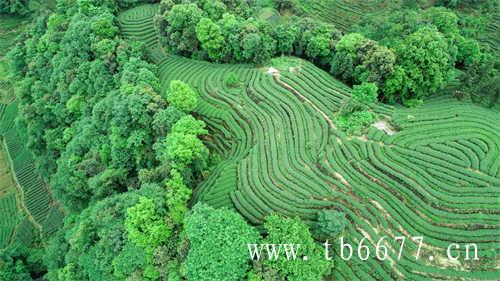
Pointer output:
x,y
93,244
210,36
181,28
425,64
178,195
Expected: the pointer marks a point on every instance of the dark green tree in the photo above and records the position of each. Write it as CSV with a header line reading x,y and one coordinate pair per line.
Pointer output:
x,y
330,223
17,7
424,66
181,28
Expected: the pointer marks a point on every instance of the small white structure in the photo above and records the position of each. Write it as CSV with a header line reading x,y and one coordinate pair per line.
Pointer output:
x,y
272,71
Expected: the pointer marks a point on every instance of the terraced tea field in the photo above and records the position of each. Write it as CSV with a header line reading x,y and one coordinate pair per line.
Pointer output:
x,y
343,14
8,206
435,174
490,36
15,226
24,197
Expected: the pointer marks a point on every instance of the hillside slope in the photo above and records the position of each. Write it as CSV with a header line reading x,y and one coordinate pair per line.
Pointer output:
x,y
436,175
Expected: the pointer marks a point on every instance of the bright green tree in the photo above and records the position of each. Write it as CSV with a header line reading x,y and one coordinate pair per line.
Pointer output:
x,y
183,149
190,126
286,35
210,36
366,93
219,239
178,195
293,231
144,226
182,96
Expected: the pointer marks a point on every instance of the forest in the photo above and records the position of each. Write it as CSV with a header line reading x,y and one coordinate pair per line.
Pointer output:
x,y
154,140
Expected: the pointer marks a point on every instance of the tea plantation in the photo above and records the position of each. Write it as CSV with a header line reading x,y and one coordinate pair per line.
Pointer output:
x,y
161,140
435,174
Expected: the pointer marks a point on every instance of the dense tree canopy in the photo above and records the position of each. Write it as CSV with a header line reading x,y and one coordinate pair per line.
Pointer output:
x,y
358,59
14,264
145,226
210,36
425,64
294,231
182,20
219,241
94,245
123,157
19,7
384,51
228,31
96,121
182,96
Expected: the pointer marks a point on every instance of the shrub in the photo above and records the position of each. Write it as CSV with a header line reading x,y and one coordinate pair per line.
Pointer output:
x,y
330,223
354,123
232,80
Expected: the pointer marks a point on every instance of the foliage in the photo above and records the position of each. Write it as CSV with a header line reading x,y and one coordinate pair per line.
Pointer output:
x,y
481,82
144,226
294,231
358,59
188,125
286,35
355,114
210,36
94,116
412,77
14,264
365,94
226,33
182,147
182,20
182,96
164,120
425,61
178,195
131,259
17,7
354,123
218,240
14,271
330,223
94,243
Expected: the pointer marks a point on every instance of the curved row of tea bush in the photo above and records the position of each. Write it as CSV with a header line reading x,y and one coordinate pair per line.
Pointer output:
x,y
282,153
34,193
